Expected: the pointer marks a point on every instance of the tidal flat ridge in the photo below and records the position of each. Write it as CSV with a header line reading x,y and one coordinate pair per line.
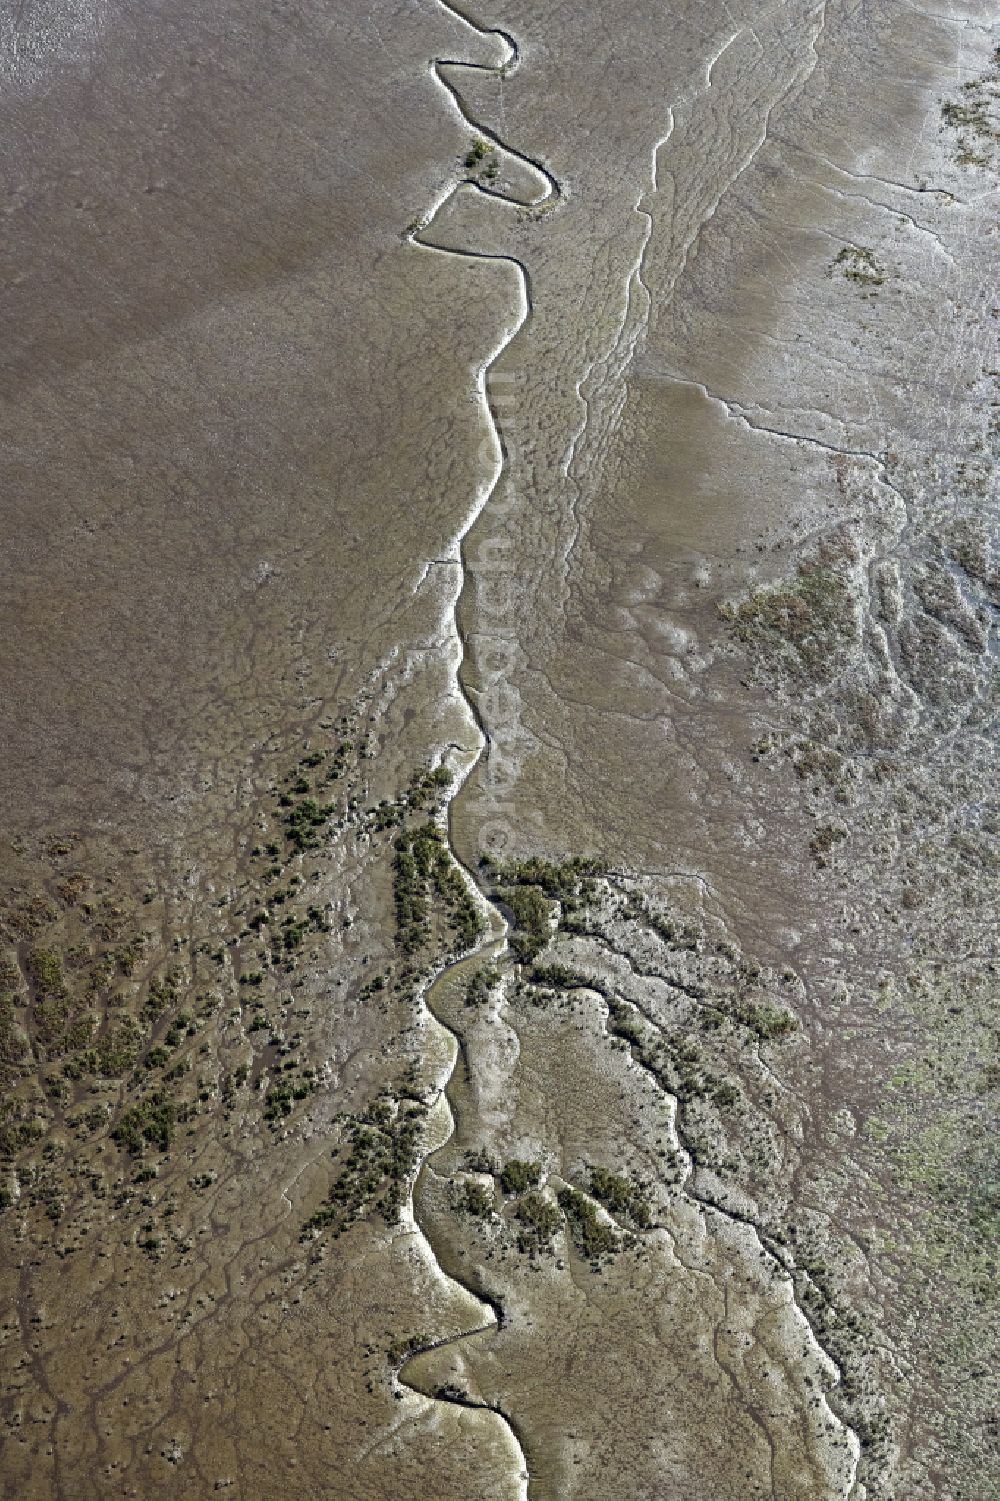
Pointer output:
x,y
498,928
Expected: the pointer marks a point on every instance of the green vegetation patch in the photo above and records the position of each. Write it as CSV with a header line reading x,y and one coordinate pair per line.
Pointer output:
x,y
13,1043
150,1122
561,882
281,1098
477,1200
401,1349
768,1022
529,890
593,1239
482,985
305,819
859,264
803,624
975,118
518,1175
538,1219
824,840
424,870
531,913
378,1168
45,972
625,1198
481,158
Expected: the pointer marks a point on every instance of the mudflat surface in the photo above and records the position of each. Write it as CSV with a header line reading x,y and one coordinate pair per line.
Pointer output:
x,y
498,927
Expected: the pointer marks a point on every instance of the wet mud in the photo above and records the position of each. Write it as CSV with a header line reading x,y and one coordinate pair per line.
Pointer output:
x,y
498,931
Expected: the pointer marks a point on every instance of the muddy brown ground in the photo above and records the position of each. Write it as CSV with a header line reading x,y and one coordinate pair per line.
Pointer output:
x,y
636,463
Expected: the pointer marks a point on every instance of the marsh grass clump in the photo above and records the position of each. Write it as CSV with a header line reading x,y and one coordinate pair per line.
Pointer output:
x,y
482,985
376,1173
518,1175
45,972
532,914
115,1053
766,1021
63,992
625,1198
19,1127
538,1220
803,624
59,1018
293,932
281,1098
150,1122
570,878
162,994
530,890
560,977
624,1022
481,154
824,840
13,1042
673,931
593,1239
859,264
477,1200
84,982
424,791
304,820
418,854
427,787
402,1349
478,1160
423,868
976,118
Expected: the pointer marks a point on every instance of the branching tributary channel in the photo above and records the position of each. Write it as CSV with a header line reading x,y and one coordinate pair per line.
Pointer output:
x,y
494,948
495,945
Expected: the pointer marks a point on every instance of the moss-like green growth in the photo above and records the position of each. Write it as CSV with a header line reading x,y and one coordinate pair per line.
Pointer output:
x,y
13,1043
825,839
17,1128
162,994
418,853
625,1022
570,878
529,890
114,1054
482,985
422,869
401,1349
45,972
304,821
768,1022
478,1160
279,1102
479,153
976,118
